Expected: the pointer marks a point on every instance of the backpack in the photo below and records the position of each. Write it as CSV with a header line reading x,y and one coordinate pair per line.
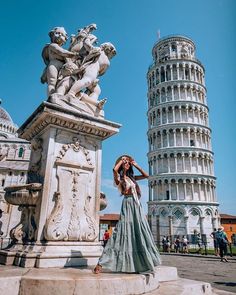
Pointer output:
x,y
221,238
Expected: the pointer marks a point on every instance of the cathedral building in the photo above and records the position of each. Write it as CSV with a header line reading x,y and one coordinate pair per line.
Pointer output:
x,y
182,196
14,161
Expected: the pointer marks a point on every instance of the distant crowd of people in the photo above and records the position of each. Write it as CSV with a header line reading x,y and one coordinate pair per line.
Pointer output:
x,y
222,244
166,244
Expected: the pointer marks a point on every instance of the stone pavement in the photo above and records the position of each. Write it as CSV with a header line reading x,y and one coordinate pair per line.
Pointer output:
x,y
220,275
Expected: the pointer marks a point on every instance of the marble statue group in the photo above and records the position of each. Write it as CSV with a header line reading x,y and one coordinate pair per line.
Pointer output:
x,y
73,75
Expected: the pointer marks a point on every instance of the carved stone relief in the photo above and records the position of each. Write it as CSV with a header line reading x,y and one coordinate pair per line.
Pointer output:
x,y
72,216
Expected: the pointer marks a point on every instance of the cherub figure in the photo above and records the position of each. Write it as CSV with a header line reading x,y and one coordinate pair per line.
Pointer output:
x,y
86,76
54,57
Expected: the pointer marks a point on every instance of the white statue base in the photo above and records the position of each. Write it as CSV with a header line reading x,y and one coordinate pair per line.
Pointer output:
x,y
78,281
62,226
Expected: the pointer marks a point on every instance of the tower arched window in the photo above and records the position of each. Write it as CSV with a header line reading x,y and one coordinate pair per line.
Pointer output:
x,y
20,152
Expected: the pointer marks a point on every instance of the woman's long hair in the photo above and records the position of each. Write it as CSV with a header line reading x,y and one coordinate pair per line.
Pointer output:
x,y
130,174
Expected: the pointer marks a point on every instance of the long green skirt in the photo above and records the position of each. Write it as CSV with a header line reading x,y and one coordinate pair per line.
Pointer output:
x,y
131,248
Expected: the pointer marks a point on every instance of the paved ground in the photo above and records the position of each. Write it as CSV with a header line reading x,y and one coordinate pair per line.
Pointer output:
x,y
220,275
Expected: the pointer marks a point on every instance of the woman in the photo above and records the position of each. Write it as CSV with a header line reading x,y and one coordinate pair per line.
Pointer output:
x,y
131,248
185,244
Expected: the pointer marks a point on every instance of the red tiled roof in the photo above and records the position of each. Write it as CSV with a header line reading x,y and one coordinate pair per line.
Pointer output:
x,y
227,216
110,217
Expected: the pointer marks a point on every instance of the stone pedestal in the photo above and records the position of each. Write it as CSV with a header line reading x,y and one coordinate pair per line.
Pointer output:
x,y
66,159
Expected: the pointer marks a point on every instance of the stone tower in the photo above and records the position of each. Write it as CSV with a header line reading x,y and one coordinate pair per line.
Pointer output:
x,y
182,198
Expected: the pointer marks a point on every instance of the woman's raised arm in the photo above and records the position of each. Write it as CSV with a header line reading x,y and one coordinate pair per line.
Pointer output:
x,y
143,173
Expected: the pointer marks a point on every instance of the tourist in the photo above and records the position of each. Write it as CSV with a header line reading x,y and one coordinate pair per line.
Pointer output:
x,y
216,246
199,243
164,243
131,248
106,237
177,244
1,232
185,244
230,245
222,241
167,245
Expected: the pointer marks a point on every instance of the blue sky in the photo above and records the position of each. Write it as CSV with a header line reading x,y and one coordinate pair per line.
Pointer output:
x,y
132,27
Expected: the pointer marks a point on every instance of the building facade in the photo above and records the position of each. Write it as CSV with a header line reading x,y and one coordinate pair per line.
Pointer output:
x,y
182,197
14,162
229,224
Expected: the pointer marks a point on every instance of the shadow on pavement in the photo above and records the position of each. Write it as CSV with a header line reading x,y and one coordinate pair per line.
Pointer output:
x,y
229,284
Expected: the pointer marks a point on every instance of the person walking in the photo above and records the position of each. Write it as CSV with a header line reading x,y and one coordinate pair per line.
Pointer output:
x,y
131,248
216,246
106,237
222,241
199,243
230,245
164,248
177,244
168,245
185,244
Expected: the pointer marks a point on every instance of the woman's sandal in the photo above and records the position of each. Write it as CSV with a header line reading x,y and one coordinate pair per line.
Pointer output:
x,y
97,269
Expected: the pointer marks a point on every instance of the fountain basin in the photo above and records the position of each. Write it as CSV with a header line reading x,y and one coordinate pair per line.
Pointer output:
x,y
25,194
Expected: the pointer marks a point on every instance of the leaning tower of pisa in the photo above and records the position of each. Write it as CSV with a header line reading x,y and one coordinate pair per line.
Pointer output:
x,y
182,198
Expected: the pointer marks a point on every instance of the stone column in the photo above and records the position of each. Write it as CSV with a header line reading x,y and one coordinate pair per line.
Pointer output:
x,y
186,225
184,71
177,189
168,138
181,136
192,189
202,225
174,132
195,136
185,90
197,162
200,191
191,92
172,92
185,190
179,92
171,229
191,162
169,188
183,160
175,157
201,142
180,114
158,241
149,168
205,191
168,163
150,192
188,131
